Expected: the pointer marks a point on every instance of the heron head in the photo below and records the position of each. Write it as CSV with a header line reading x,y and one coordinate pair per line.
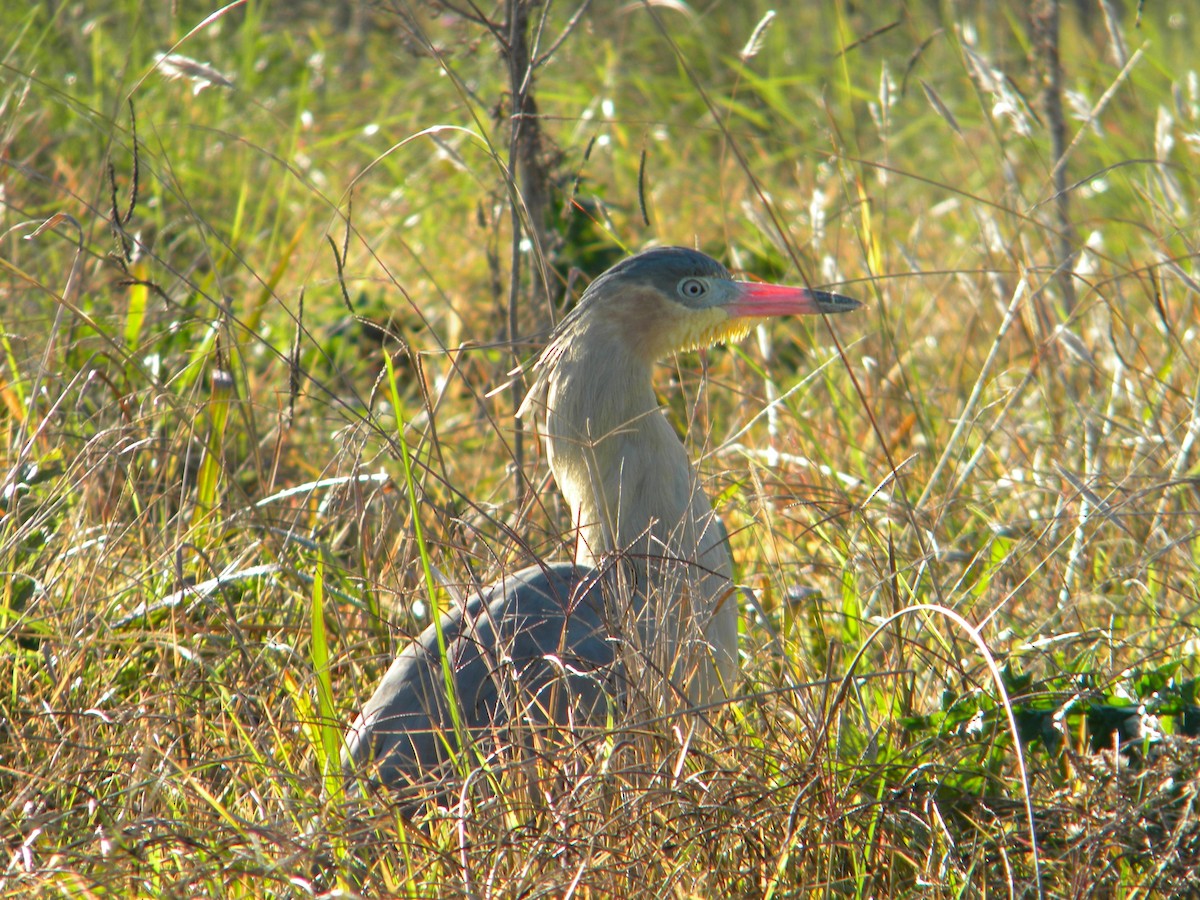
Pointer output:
x,y
674,298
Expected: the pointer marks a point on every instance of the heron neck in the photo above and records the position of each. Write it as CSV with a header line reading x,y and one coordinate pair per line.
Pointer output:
x,y
618,462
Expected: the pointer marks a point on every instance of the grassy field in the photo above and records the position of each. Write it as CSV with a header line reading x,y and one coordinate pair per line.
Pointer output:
x,y
258,323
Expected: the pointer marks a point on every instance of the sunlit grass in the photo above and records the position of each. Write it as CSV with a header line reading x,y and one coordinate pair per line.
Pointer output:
x,y
253,357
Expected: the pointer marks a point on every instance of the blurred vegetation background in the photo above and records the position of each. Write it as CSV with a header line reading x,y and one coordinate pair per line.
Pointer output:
x,y
257,259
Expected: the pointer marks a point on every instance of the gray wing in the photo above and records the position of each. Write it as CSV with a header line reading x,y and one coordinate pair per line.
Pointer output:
x,y
532,647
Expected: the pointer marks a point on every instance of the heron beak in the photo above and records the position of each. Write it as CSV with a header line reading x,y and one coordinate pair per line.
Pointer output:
x,y
756,300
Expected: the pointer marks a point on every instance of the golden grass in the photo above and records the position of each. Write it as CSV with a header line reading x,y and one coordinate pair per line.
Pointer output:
x,y
197,429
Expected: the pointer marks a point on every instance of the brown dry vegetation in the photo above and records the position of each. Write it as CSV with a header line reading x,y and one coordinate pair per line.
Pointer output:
x,y
241,299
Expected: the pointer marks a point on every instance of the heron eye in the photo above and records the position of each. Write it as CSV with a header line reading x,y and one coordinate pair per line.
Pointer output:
x,y
692,288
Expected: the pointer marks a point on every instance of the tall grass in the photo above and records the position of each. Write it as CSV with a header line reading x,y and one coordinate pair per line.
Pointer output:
x,y
254,348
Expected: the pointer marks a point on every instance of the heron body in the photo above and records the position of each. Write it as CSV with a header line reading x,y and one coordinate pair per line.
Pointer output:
x,y
650,593
501,638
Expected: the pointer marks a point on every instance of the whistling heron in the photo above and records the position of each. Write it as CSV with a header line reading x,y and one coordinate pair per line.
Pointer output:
x,y
650,591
